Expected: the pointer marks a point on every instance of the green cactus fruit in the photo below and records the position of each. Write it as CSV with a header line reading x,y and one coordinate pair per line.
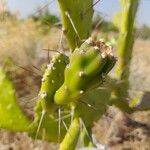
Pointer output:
x,y
87,67
77,20
52,80
92,105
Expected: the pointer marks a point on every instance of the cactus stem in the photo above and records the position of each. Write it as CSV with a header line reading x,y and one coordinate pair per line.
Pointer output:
x,y
71,138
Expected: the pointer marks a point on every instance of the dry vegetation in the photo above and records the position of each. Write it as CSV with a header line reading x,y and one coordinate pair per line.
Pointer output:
x,y
23,42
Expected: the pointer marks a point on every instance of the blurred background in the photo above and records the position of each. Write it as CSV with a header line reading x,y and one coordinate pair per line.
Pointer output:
x,y
29,28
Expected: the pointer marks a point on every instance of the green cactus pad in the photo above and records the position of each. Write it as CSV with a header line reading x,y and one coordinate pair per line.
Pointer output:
x,y
92,105
10,111
87,67
77,20
52,80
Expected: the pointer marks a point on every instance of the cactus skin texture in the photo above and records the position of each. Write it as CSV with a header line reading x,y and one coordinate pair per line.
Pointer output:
x,y
88,65
125,48
71,138
52,80
77,20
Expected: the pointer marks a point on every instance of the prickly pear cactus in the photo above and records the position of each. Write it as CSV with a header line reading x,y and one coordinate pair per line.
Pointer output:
x,y
45,124
88,65
77,20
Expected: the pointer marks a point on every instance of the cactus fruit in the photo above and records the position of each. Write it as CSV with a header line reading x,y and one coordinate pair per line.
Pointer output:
x,y
77,20
88,65
52,80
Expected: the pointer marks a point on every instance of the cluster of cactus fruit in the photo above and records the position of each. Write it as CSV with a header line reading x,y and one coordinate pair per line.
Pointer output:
x,y
88,65
72,85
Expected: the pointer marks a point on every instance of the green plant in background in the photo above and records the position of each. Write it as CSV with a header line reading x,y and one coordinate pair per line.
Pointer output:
x,y
9,109
45,17
125,48
103,25
76,90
